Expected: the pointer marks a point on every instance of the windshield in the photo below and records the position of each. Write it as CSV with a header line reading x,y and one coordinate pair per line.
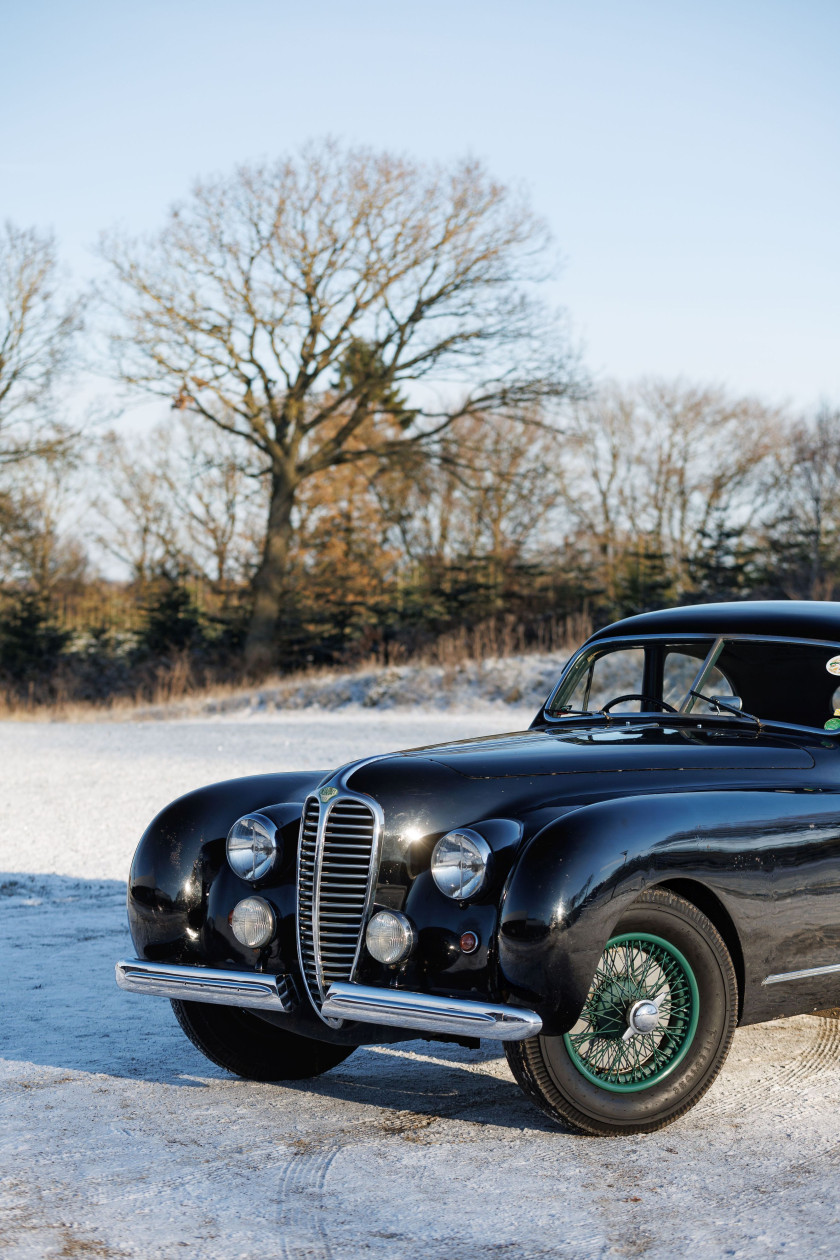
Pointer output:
x,y
794,683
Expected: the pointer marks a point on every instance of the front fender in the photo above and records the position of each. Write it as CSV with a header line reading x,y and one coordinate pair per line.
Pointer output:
x,y
179,870
577,875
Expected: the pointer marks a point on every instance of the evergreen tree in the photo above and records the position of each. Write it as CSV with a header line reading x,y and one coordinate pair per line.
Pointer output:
x,y
723,566
171,622
31,644
643,582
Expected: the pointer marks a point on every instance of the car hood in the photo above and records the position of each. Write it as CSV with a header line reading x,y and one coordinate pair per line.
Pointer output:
x,y
535,776
610,748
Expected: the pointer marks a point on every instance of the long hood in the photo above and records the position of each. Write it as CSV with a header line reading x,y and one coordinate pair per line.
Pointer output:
x,y
536,775
610,748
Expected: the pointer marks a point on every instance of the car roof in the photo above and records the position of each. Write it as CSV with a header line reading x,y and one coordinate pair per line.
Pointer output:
x,y
776,618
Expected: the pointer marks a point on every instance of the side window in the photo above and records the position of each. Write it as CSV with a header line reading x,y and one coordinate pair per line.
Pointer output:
x,y
613,674
678,673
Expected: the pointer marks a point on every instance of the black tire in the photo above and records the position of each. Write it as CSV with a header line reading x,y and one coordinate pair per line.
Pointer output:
x,y
248,1046
545,1067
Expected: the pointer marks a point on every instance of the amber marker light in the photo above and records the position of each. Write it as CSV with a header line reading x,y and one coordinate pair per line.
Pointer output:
x,y
468,942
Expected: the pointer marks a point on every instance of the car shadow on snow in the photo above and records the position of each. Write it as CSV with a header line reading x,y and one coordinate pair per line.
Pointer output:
x,y
420,1081
61,1008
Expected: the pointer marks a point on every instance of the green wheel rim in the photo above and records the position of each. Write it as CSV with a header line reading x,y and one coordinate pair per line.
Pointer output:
x,y
635,967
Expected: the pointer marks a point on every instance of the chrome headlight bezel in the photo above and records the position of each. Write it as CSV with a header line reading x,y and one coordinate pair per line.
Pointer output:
x,y
404,937
461,864
252,847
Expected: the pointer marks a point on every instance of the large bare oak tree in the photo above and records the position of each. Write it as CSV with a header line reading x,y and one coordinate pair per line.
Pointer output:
x,y
292,303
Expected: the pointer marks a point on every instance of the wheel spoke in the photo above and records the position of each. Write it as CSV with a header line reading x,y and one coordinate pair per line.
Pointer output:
x,y
633,968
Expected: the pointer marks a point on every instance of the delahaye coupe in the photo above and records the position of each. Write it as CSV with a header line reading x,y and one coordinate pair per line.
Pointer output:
x,y
608,893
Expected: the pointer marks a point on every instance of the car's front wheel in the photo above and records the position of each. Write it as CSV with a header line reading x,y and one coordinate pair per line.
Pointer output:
x,y
655,1029
249,1046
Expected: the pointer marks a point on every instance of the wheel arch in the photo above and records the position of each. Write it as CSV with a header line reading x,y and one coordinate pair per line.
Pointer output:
x,y
706,901
574,879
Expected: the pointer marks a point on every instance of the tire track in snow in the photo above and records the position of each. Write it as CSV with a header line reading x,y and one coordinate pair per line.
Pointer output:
x,y
302,1203
776,1191
818,1058
310,1230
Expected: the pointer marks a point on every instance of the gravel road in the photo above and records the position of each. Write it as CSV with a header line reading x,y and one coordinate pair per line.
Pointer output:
x,y
119,1140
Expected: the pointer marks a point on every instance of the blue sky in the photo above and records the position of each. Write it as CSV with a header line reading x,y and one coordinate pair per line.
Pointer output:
x,y
687,156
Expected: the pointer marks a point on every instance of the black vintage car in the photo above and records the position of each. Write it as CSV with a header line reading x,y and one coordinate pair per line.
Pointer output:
x,y
609,893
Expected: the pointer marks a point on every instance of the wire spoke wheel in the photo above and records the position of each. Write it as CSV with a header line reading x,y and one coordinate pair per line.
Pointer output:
x,y
635,968
653,1029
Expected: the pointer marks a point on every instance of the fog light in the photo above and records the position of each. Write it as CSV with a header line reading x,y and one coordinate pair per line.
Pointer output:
x,y
390,937
252,922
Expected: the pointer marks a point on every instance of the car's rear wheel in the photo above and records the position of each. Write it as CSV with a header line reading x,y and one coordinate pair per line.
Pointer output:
x,y
655,1029
249,1046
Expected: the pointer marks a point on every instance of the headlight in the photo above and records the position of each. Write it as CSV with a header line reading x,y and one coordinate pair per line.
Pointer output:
x,y
252,922
460,862
252,846
390,937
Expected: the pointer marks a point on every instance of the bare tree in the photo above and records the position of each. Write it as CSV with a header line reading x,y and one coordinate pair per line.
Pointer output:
x,y
37,331
136,524
179,499
285,302
39,548
803,492
703,450
661,461
218,501
489,490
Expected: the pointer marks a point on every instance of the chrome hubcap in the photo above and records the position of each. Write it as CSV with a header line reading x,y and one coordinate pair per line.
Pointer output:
x,y
642,1017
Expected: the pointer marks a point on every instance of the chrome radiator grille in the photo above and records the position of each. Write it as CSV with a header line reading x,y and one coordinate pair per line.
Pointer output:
x,y
336,868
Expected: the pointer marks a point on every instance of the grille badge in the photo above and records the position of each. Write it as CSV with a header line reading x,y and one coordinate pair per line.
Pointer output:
x,y
327,793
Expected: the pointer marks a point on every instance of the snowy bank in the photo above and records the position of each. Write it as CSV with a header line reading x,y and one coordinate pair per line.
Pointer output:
x,y
500,682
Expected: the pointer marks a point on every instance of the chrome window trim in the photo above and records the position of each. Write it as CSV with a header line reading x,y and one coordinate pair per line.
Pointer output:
x,y
643,640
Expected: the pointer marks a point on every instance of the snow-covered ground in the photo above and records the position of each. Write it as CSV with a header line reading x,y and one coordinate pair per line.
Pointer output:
x,y
119,1140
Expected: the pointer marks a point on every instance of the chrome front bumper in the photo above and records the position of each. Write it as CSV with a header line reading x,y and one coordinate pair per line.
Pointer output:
x,y
206,984
392,1008
457,1016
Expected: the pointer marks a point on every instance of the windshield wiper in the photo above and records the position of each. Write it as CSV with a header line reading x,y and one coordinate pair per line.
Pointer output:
x,y
572,712
721,704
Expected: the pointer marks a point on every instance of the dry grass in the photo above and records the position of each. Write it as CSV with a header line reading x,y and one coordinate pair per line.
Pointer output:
x,y
176,684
